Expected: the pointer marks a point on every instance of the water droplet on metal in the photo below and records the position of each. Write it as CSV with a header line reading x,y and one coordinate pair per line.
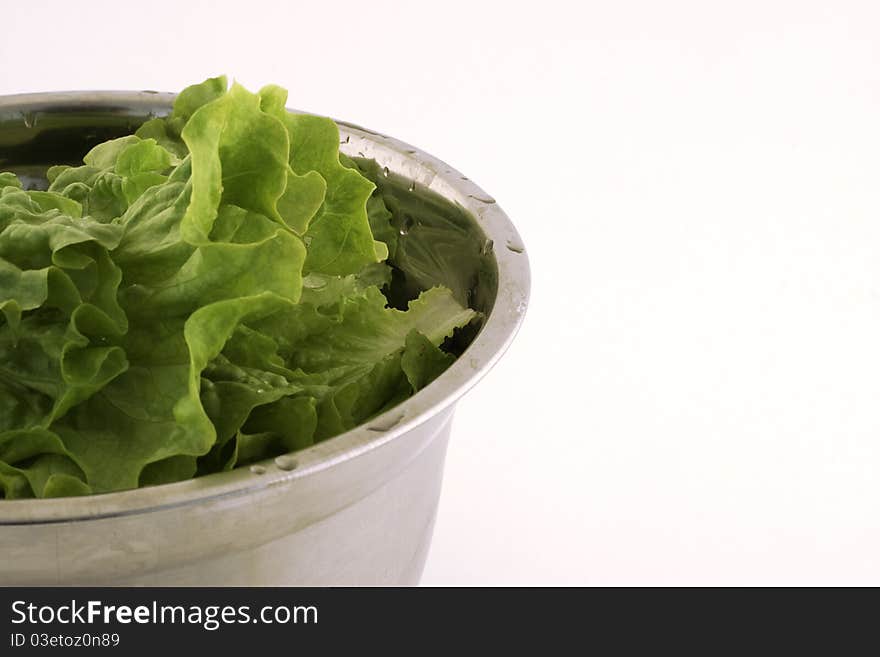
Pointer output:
x,y
386,425
482,199
515,247
258,469
407,224
286,462
487,247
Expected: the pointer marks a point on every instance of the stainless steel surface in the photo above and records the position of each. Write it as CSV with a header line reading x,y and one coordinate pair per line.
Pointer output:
x,y
356,509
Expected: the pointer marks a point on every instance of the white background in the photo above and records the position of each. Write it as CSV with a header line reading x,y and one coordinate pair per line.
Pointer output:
x,y
693,398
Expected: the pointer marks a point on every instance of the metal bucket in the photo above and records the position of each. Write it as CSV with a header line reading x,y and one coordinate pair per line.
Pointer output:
x,y
357,509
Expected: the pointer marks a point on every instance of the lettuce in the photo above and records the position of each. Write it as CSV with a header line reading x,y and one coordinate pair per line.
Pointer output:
x,y
204,293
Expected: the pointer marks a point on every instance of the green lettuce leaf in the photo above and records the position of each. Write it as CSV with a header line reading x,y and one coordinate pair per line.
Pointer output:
x,y
423,361
339,238
202,294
